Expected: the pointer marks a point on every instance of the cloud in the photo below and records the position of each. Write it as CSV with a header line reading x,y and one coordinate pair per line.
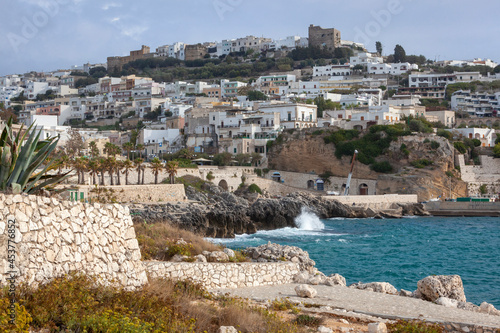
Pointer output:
x,y
134,31
110,5
115,19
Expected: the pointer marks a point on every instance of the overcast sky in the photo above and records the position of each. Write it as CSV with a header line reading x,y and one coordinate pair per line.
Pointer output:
x,y
44,35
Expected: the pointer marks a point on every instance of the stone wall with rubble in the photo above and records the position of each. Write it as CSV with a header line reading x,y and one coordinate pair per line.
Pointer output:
x,y
52,238
150,193
226,275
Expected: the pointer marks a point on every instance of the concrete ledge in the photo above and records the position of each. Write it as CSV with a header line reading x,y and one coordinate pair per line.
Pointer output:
x,y
375,201
225,275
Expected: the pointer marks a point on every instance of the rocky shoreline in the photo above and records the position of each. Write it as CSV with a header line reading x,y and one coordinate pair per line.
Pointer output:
x,y
215,213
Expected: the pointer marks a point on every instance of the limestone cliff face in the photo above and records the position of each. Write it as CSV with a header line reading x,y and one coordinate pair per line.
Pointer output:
x,y
302,152
306,153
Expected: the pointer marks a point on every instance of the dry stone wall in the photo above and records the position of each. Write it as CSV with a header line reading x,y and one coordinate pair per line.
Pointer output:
x,y
226,275
141,193
51,238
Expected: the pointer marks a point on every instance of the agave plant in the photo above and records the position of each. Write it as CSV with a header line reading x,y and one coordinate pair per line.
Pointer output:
x,y
21,157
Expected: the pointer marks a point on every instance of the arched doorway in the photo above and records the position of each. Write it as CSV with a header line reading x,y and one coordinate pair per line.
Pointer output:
x,y
310,184
363,189
223,184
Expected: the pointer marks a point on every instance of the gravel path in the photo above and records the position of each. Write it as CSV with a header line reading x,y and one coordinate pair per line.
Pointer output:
x,y
371,303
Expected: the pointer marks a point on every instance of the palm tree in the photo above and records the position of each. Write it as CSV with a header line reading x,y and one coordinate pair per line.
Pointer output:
x,y
140,148
102,169
79,164
94,168
128,147
110,167
138,164
93,150
127,165
171,168
118,168
156,167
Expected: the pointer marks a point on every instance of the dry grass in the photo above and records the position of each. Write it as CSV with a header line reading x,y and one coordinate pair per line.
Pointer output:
x,y
155,237
79,303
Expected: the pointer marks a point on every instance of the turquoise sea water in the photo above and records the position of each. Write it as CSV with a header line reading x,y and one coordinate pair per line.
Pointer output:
x,y
398,251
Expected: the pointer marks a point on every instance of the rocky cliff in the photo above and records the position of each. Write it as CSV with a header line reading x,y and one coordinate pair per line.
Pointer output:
x,y
304,152
212,212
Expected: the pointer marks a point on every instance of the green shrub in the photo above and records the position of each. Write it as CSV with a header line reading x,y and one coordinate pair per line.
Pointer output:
x,y
383,167
307,320
482,189
418,125
317,132
496,150
210,175
460,146
254,188
427,140
449,174
258,172
434,144
421,163
445,134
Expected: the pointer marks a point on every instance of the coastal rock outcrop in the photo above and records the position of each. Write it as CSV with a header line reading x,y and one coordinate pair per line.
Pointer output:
x,y
433,287
274,253
219,214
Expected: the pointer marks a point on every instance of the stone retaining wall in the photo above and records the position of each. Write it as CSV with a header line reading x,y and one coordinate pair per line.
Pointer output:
x,y
53,238
375,201
225,275
142,193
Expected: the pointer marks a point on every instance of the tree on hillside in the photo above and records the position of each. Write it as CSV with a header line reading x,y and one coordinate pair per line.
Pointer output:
x,y
325,104
74,144
399,54
255,95
378,46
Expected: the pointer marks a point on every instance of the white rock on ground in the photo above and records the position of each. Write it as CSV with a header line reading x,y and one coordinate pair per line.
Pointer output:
x,y
227,329
335,279
304,290
377,328
448,302
230,253
323,329
379,287
488,308
433,287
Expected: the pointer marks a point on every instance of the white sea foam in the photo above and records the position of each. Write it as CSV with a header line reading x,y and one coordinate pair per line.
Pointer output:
x,y
308,221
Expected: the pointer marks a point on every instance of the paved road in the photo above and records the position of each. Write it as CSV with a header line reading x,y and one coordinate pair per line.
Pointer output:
x,y
367,302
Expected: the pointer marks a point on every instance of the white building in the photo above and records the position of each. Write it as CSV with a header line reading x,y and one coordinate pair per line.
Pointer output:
x,y
487,136
249,42
365,59
430,80
402,100
331,70
175,50
392,68
293,115
230,88
34,88
289,43
479,104
9,92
